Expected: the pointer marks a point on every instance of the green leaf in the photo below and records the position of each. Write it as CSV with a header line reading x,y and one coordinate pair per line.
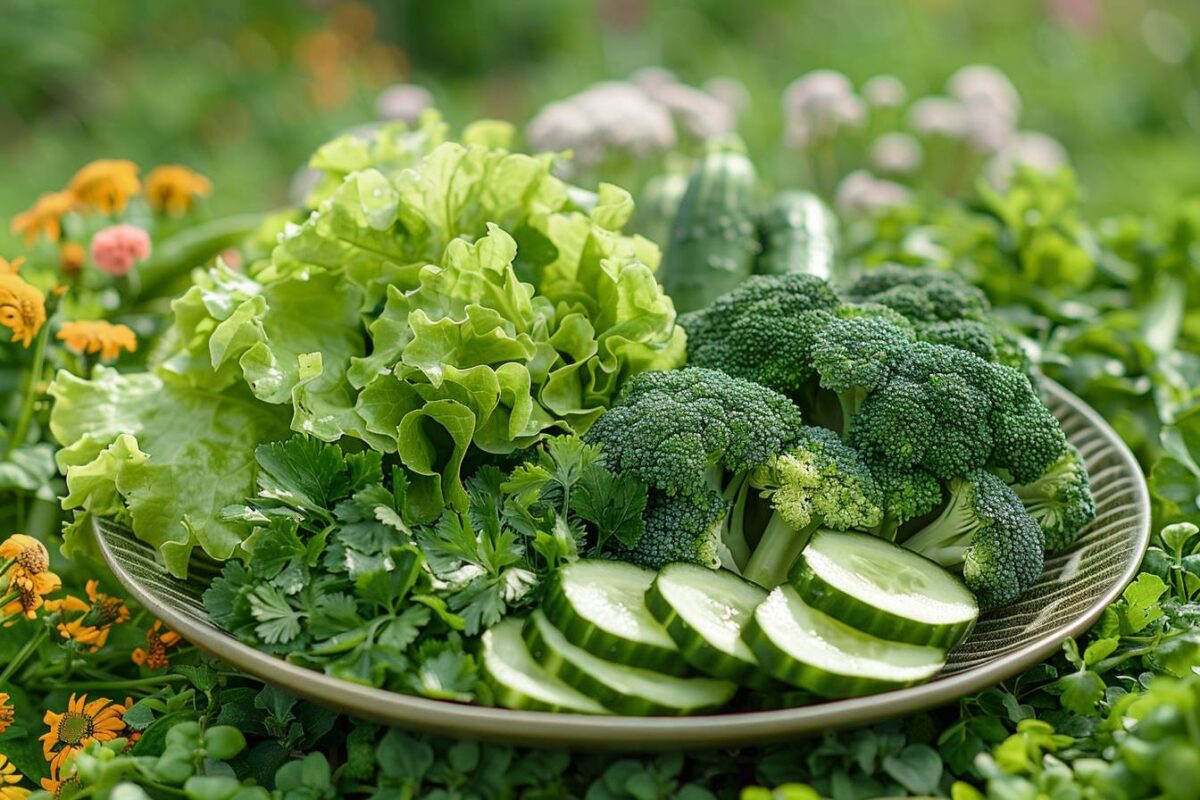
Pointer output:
x,y
918,768
279,623
1080,691
1141,606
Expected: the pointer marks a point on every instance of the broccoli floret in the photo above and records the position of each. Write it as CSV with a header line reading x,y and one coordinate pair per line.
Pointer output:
x,y
692,435
762,330
983,338
679,431
921,294
678,528
985,530
820,482
948,411
1060,500
908,494
851,356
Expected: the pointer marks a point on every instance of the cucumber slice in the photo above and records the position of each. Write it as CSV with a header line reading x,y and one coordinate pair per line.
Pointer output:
x,y
618,687
884,590
601,607
804,647
519,682
705,610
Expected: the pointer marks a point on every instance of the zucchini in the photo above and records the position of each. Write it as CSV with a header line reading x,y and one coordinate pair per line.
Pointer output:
x,y
658,205
704,610
619,687
518,681
806,648
884,590
601,606
799,234
713,241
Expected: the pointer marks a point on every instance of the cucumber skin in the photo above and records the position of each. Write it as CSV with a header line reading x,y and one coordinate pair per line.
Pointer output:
x,y
878,622
799,235
714,240
699,653
796,673
584,682
581,633
509,697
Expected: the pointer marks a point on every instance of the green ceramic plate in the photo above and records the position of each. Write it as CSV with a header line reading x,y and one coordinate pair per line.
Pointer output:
x,y
1070,596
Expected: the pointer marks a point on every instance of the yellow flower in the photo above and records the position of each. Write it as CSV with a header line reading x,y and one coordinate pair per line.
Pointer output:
x,y
97,336
44,217
80,725
71,257
106,183
9,778
157,644
57,782
28,553
22,305
173,189
31,591
95,618
7,713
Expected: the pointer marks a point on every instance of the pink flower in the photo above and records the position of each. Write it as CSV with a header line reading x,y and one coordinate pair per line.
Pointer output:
x,y
118,248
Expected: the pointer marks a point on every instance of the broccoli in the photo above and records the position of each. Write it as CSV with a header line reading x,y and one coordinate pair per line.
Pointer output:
x,y
908,494
921,294
948,411
943,309
679,528
851,356
820,482
692,435
984,530
1060,500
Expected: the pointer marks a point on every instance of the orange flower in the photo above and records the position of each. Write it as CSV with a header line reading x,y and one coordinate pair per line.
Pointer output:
x,y
107,184
22,305
27,553
31,591
157,644
95,619
7,714
71,257
80,725
9,778
97,336
44,217
173,189
57,782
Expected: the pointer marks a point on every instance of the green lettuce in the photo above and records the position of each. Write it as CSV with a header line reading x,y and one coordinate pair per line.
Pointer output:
x,y
161,457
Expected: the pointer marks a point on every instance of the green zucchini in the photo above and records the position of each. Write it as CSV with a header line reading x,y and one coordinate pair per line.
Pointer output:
x,y
517,681
806,648
620,687
601,606
799,234
704,610
713,241
884,590
658,205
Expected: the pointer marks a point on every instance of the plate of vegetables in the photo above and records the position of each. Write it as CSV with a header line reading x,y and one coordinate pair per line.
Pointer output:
x,y
449,459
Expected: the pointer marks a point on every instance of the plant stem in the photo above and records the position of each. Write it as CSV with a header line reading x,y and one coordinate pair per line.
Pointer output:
x,y
35,376
136,683
22,656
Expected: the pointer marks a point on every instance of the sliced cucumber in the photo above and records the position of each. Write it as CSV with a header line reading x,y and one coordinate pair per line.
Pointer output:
x,y
601,607
804,647
519,682
705,610
884,590
618,687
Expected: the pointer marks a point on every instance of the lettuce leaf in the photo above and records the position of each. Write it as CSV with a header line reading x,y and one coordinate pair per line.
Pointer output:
x,y
163,457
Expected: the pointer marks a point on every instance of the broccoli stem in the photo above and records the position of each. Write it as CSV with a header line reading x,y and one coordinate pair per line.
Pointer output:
x,y
850,402
777,551
946,539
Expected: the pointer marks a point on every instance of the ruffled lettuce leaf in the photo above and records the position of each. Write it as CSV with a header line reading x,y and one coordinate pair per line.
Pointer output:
x,y
161,456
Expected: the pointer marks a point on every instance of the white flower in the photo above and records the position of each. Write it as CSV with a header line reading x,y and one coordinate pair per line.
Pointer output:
x,y
1027,148
404,102
729,91
895,154
701,115
816,105
885,91
980,85
938,116
860,192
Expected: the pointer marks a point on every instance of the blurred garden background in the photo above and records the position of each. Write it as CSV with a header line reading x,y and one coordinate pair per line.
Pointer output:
x,y
244,91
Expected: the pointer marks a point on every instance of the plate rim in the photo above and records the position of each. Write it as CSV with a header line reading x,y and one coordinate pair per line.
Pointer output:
x,y
643,734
